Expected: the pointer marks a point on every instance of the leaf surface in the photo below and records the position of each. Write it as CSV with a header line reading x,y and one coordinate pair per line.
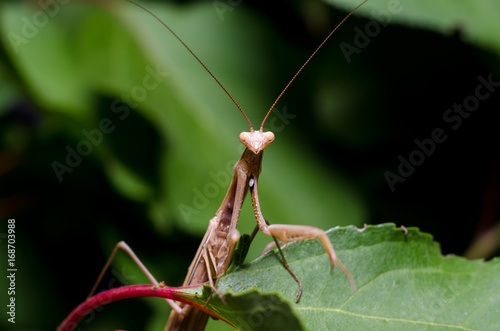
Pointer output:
x,y
404,283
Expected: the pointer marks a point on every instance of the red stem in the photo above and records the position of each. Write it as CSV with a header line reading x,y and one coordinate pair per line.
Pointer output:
x,y
126,292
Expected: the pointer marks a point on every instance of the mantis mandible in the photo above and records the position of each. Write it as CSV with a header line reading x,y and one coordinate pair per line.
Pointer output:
x,y
215,251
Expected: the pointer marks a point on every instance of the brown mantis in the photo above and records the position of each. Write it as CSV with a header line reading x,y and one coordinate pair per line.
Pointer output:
x,y
215,251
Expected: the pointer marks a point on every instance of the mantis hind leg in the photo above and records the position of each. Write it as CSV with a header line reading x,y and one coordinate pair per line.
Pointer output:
x,y
126,248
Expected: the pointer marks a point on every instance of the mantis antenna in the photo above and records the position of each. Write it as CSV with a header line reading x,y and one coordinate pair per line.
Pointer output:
x,y
222,86
307,61
194,55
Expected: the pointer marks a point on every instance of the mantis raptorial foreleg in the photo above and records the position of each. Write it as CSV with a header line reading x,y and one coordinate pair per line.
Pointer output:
x,y
290,233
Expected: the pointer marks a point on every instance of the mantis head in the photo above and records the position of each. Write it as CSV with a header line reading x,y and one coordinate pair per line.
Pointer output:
x,y
256,141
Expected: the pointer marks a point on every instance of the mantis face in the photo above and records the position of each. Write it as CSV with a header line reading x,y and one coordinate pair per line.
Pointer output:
x,y
256,141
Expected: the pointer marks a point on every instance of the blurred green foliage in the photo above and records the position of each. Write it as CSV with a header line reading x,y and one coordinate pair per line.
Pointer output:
x,y
110,130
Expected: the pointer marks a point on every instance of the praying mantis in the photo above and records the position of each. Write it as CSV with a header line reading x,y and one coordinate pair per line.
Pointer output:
x,y
216,249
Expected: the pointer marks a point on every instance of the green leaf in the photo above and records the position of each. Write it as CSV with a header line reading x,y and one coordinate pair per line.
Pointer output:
x,y
250,310
475,20
404,283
